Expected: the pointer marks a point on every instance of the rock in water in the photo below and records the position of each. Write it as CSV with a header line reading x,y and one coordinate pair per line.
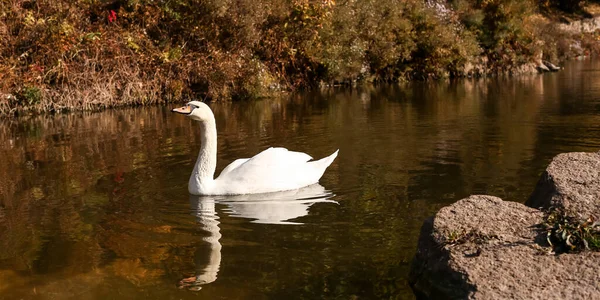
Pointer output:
x,y
570,182
482,247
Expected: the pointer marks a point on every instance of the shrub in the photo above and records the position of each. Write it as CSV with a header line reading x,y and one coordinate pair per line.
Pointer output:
x,y
82,54
499,27
367,39
444,46
29,95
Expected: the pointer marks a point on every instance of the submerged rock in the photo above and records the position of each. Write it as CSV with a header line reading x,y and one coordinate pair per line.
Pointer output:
x,y
482,247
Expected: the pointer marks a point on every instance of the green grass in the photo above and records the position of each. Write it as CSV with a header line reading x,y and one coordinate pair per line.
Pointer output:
x,y
566,234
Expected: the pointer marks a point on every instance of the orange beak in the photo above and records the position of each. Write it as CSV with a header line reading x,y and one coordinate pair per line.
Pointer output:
x,y
185,110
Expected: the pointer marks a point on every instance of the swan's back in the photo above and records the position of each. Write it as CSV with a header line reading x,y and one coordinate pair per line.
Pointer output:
x,y
275,169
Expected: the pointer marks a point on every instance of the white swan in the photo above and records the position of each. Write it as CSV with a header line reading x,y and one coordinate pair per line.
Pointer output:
x,y
273,170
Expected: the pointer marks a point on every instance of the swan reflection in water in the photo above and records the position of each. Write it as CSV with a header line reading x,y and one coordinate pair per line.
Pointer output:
x,y
270,208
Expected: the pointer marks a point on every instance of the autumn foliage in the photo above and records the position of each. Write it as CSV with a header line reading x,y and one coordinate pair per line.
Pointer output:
x,y
90,54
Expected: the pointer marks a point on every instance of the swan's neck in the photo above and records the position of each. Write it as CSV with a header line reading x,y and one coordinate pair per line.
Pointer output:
x,y
206,163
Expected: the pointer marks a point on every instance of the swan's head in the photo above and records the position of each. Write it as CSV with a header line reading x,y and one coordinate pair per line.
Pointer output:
x,y
196,110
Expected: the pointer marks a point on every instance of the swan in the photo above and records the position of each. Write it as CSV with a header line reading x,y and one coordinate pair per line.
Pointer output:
x,y
273,170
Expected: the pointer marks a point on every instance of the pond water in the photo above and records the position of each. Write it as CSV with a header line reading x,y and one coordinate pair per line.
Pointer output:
x,y
95,205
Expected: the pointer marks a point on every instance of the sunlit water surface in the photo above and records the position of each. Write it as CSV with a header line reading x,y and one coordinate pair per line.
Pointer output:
x,y
95,205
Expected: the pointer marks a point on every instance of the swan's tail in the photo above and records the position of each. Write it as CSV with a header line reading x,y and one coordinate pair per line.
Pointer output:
x,y
329,159
321,165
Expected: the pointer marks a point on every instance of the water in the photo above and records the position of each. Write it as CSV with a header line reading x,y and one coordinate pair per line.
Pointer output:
x,y
95,205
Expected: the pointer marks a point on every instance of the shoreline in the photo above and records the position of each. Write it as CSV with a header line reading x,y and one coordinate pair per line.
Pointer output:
x,y
21,112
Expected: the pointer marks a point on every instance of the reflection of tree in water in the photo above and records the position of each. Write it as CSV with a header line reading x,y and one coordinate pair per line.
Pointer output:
x,y
52,204
74,191
91,197
356,281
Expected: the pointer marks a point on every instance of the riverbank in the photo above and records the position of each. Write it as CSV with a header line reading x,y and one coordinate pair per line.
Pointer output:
x,y
81,55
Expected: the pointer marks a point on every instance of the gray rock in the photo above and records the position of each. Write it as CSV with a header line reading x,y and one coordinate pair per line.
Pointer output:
x,y
484,248
570,182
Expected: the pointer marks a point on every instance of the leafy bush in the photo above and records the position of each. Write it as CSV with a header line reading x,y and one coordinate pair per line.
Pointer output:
x,y
366,40
443,46
500,28
83,54
29,95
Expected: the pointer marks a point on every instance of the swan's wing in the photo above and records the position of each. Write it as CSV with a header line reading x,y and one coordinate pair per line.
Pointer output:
x,y
275,169
279,156
271,160
236,163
